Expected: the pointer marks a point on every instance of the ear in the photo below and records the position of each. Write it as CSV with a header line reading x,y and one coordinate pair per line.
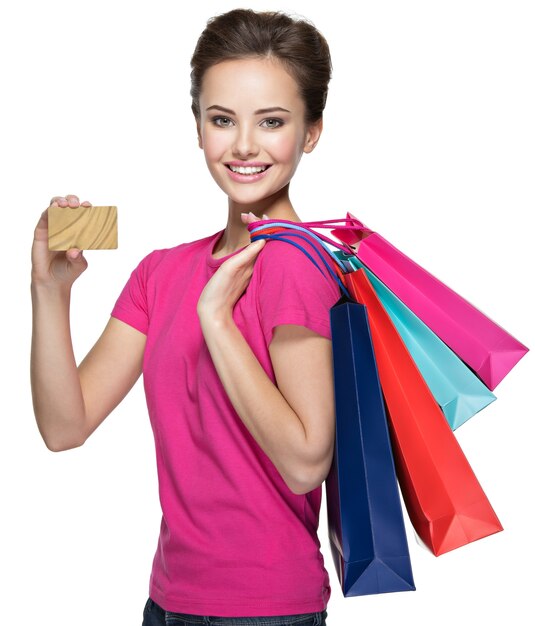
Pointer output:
x,y
313,135
199,135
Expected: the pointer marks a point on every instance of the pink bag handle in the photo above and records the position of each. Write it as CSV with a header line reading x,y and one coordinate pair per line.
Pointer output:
x,y
350,233
354,223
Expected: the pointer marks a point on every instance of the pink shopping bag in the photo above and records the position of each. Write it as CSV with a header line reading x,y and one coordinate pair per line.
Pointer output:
x,y
482,344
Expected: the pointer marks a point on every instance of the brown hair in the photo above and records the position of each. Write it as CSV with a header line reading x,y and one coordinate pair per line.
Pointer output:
x,y
244,33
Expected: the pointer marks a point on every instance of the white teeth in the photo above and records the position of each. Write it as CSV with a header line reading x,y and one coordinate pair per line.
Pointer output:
x,y
248,170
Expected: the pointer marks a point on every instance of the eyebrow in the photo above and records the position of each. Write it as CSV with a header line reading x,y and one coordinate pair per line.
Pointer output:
x,y
258,112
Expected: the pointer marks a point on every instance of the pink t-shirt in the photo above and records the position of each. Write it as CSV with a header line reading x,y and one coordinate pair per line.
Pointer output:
x,y
234,540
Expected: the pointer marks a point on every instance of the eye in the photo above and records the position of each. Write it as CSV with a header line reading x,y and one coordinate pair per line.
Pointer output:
x,y
220,118
273,121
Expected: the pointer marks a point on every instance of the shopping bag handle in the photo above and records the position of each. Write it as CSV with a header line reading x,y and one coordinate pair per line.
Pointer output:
x,y
269,226
271,233
352,223
349,230
350,233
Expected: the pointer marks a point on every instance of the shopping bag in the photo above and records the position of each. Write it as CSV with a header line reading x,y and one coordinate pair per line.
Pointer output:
x,y
366,529
482,344
457,390
445,502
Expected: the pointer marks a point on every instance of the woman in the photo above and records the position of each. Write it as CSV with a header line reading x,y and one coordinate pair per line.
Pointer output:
x,y
233,340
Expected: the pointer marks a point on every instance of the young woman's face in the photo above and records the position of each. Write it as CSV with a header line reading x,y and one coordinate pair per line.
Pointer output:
x,y
235,129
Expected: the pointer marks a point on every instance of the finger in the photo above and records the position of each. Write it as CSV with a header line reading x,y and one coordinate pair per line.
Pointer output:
x,y
251,247
42,223
74,254
86,203
73,200
251,218
61,201
256,245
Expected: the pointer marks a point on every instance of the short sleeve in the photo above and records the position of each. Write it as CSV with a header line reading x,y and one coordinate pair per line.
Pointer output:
x,y
131,305
292,290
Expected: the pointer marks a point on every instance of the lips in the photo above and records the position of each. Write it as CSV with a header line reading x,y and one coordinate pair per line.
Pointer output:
x,y
247,178
249,168
247,164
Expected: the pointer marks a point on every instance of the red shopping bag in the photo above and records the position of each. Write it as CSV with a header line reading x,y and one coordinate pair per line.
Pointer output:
x,y
445,502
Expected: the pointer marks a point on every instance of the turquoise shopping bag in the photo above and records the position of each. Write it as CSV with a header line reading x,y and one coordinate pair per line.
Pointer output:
x,y
457,390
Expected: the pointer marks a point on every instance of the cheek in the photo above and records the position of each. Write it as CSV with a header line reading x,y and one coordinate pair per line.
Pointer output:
x,y
214,145
285,147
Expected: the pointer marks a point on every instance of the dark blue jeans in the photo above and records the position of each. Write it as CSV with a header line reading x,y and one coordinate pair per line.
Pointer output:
x,y
154,615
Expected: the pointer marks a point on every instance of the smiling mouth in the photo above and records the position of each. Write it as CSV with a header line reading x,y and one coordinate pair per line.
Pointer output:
x,y
247,170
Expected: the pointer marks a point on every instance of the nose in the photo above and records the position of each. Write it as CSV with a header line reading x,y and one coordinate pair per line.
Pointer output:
x,y
245,142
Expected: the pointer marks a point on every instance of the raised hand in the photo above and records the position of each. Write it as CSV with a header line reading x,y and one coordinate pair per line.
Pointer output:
x,y
51,268
220,294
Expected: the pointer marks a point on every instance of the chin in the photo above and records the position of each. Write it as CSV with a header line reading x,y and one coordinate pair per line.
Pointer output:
x,y
247,198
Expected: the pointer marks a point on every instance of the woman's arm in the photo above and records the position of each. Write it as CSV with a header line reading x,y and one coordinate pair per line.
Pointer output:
x,y
70,402
293,422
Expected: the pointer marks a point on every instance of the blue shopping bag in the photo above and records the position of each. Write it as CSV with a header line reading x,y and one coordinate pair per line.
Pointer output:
x,y
365,521
366,529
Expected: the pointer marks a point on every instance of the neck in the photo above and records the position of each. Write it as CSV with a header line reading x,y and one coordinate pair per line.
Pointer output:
x,y
236,235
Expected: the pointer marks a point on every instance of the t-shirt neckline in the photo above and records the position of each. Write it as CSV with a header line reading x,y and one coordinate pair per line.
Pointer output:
x,y
214,240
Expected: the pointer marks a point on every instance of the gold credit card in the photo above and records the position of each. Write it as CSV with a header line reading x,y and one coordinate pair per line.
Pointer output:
x,y
85,227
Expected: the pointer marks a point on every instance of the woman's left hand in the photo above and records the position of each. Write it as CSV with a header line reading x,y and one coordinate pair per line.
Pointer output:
x,y
221,292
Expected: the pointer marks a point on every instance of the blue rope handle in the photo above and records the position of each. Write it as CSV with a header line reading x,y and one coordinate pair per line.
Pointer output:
x,y
279,237
293,226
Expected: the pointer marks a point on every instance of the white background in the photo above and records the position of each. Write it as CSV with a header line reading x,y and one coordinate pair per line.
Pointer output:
x,y
428,137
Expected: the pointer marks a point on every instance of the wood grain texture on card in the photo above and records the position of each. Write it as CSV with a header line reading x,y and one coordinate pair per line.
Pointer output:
x,y
86,228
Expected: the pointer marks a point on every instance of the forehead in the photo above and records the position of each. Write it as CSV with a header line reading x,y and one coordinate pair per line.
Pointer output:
x,y
249,81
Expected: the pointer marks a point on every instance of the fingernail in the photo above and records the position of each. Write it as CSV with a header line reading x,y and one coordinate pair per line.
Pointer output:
x,y
250,213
